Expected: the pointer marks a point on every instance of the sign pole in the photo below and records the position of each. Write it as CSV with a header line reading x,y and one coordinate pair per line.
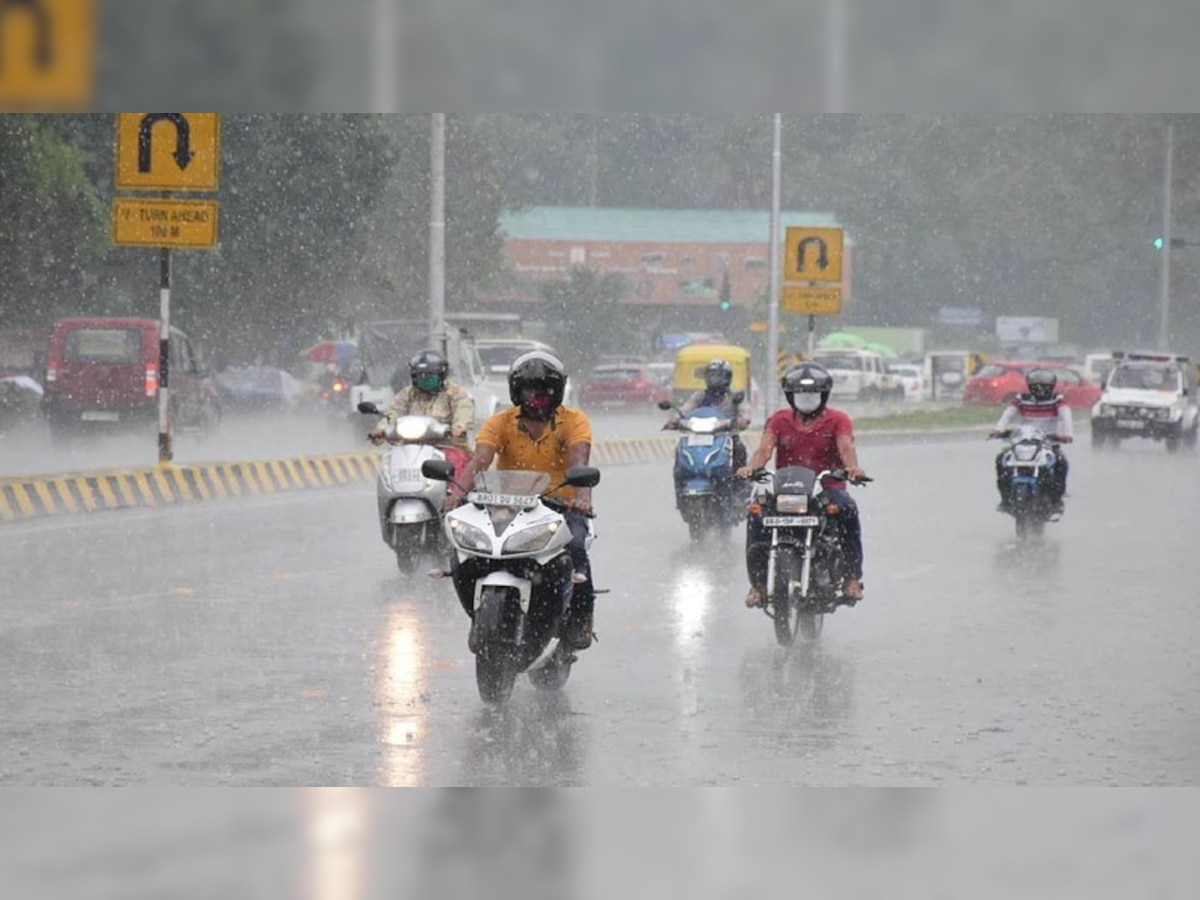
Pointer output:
x,y
1164,273
165,452
437,232
772,381
812,336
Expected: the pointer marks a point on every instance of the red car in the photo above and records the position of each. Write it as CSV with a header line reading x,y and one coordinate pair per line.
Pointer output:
x,y
1000,381
623,385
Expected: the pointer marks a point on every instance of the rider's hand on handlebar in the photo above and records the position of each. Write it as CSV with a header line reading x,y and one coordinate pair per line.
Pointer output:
x,y
458,433
745,472
453,500
995,433
376,436
855,475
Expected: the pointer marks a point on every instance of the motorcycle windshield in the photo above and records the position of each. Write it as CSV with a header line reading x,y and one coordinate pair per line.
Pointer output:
x,y
795,480
511,482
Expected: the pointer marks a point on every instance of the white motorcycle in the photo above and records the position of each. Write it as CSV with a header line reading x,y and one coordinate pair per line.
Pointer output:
x,y
410,505
511,567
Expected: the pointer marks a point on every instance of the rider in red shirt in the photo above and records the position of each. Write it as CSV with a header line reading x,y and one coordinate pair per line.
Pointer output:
x,y
812,435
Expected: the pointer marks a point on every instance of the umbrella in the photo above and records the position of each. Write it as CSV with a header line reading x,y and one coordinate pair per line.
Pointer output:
x,y
841,339
331,352
883,350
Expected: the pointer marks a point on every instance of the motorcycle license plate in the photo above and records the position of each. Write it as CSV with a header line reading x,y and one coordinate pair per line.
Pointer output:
x,y
791,521
700,440
407,475
100,415
521,500
1133,424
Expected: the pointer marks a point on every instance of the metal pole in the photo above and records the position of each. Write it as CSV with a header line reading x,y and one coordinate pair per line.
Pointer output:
x,y
165,450
383,39
775,264
1164,277
835,58
437,232
812,336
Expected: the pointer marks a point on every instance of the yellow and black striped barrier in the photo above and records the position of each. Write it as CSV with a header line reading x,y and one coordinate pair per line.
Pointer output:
x,y
38,496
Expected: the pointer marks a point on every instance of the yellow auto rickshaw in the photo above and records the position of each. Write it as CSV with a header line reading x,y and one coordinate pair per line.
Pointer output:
x,y
691,360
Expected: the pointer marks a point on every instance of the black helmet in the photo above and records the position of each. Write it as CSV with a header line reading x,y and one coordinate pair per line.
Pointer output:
x,y
428,371
536,383
807,378
718,375
1041,384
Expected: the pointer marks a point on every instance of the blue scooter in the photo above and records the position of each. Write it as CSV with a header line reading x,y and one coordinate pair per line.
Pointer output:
x,y
705,490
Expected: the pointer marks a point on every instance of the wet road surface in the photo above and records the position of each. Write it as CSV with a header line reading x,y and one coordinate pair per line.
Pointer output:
x,y
271,642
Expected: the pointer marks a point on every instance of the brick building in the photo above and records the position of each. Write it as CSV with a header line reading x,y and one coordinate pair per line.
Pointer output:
x,y
670,257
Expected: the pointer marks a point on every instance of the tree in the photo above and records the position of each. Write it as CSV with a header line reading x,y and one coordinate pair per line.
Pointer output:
x,y
53,224
584,318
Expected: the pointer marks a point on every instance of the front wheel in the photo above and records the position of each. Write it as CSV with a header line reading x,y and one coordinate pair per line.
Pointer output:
x,y
494,676
1099,439
554,674
406,541
786,614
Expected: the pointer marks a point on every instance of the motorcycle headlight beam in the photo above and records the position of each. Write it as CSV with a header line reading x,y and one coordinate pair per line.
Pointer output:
x,y
468,536
531,540
791,503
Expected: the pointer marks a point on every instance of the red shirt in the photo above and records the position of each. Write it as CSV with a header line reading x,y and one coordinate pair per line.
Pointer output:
x,y
813,445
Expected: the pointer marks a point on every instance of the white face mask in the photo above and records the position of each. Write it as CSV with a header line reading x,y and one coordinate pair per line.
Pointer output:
x,y
806,403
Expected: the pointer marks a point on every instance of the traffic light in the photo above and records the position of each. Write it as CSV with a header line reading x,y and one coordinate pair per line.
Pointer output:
x,y
1175,242
725,303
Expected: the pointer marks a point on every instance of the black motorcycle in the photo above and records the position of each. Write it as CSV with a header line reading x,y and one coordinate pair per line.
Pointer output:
x,y
805,570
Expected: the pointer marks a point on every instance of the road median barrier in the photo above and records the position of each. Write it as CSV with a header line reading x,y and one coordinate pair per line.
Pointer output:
x,y
26,497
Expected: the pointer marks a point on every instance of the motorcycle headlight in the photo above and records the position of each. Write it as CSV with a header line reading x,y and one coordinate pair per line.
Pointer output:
x,y
468,536
792,503
410,429
531,539
1026,452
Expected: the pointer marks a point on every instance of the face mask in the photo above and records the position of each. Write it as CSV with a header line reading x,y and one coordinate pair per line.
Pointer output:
x,y
806,404
429,383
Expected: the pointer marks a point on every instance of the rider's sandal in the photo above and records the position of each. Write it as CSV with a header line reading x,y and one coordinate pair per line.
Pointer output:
x,y
753,599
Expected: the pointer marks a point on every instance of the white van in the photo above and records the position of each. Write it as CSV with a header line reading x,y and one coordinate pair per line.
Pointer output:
x,y
860,375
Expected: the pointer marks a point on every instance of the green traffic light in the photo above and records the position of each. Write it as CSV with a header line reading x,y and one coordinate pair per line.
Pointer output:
x,y
726,306
1158,243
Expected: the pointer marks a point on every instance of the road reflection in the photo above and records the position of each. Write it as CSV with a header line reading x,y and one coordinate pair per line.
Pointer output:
x,y
798,700
535,739
399,693
337,824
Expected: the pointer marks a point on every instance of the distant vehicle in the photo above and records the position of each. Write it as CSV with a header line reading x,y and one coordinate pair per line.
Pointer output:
x,y
1096,367
259,389
623,385
947,372
911,377
859,375
103,373
22,365
497,356
1148,395
1001,381
385,349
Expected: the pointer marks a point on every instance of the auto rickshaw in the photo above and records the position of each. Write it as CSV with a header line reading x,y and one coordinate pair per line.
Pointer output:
x,y
691,360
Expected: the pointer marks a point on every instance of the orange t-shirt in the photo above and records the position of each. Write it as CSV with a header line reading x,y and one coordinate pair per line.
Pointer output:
x,y
516,449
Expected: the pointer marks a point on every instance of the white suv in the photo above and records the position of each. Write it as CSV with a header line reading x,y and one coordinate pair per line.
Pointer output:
x,y
1150,395
860,375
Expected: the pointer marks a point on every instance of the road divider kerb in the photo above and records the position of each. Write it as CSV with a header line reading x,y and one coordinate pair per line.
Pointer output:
x,y
60,494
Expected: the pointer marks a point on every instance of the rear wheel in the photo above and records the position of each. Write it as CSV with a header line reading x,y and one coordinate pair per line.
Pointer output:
x,y
494,676
786,613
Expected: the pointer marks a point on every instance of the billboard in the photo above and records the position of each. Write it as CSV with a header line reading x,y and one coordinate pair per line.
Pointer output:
x,y
1026,330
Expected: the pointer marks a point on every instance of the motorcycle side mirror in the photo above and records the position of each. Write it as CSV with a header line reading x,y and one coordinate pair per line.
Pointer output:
x,y
438,470
665,405
739,396
367,408
580,476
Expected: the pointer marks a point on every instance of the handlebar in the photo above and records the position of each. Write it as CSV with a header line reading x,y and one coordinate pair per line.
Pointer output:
x,y
561,506
761,475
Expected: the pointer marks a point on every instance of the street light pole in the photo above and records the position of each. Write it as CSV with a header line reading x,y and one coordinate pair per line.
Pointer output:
x,y
437,232
1164,275
774,263
835,57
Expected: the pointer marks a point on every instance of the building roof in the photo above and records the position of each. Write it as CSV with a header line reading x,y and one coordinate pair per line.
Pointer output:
x,y
590,223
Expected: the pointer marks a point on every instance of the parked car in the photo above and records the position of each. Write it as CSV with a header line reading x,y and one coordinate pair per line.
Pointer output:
x,y
623,385
999,381
104,373
22,364
259,389
911,377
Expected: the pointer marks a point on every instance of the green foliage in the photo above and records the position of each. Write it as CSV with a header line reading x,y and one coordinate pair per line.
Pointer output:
x,y
584,318
51,224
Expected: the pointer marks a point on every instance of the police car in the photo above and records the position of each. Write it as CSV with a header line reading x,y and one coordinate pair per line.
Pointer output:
x,y
1148,395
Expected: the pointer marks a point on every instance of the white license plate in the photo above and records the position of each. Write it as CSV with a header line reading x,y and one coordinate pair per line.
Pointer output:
x,y
100,415
1133,424
700,440
791,521
407,475
522,500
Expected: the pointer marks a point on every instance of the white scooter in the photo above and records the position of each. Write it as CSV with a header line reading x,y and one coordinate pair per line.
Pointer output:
x,y
512,569
410,505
